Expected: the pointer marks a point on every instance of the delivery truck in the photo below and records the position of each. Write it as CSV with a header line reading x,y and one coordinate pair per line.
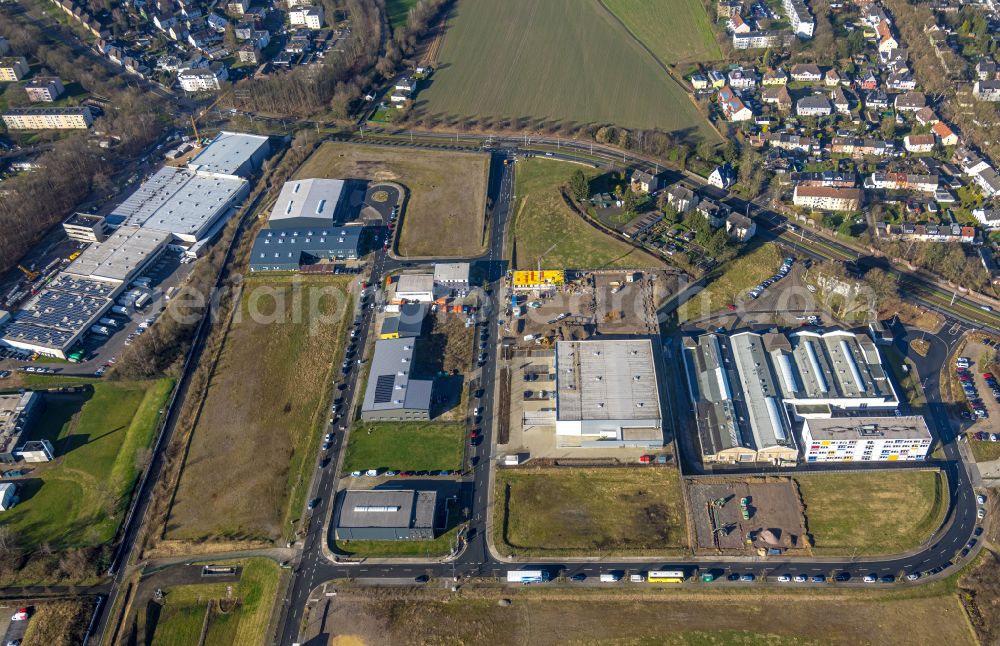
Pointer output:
x,y
524,577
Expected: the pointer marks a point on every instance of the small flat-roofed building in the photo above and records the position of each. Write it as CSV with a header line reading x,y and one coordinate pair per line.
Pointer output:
x,y
84,227
607,394
408,323
538,280
233,154
306,203
415,288
391,394
386,515
291,249
121,256
37,451
866,439
451,275
17,412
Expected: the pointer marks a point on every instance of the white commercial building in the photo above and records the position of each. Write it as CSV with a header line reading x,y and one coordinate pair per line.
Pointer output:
x,y
607,395
451,275
124,254
306,203
415,288
866,439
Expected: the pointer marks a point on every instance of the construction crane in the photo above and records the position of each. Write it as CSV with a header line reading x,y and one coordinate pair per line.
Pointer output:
x,y
194,119
32,275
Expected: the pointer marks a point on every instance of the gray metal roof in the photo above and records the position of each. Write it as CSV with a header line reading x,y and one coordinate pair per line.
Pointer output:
x,y
398,508
295,246
451,272
759,392
408,323
312,199
606,380
911,427
117,258
389,385
228,152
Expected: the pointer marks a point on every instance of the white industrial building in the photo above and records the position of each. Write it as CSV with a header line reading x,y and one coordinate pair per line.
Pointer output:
x,y
305,203
864,439
607,394
451,275
415,288
125,253
232,154
748,389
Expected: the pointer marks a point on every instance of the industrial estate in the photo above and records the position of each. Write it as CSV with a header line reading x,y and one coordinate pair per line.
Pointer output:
x,y
453,320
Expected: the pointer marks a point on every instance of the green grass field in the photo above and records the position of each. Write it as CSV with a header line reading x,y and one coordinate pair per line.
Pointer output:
x,y
100,440
985,451
405,446
545,225
566,61
242,617
566,512
674,30
872,513
397,11
265,411
741,274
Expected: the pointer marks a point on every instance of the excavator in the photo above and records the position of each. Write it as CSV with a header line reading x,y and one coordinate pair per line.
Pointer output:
x,y
32,275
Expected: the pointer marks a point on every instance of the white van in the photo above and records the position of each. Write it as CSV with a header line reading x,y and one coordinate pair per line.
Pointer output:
x,y
610,578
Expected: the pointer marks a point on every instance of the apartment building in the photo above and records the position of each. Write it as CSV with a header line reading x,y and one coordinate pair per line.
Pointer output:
x,y
827,198
13,68
903,182
202,80
799,17
306,16
44,88
48,118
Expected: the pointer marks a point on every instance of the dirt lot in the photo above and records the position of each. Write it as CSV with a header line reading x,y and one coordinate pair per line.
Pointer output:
x,y
674,618
773,504
588,307
446,204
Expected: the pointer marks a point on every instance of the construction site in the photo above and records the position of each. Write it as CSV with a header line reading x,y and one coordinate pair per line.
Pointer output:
x,y
750,516
552,305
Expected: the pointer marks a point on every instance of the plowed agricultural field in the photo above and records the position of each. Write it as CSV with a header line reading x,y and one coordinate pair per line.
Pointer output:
x,y
564,61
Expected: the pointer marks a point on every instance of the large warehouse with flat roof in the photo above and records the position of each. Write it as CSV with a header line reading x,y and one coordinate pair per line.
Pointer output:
x,y
749,388
607,394
232,154
122,255
386,515
289,249
391,395
306,203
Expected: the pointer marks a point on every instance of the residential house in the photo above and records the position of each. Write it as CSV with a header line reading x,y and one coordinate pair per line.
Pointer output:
x,y
840,101
983,90
742,79
832,77
877,100
786,141
217,22
910,102
928,232
260,38
868,80
244,28
945,135
405,83
237,7
247,53
814,105
310,17
776,76
715,212
728,8
825,198
717,79
827,178
204,79
737,25
13,69
400,97
987,70
643,182
44,88
901,82
681,198
903,182
740,227
858,147
699,81
918,143
988,182
732,106
989,217
926,116
886,41
722,177
806,73
777,95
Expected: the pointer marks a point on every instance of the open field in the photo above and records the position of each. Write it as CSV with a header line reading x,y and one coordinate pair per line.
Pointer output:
x,y
985,451
264,412
446,204
561,61
545,226
739,275
58,623
101,440
675,618
866,514
397,11
674,30
239,614
570,511
406,446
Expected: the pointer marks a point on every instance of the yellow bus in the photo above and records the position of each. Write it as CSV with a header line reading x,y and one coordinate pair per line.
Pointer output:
x,y
666,576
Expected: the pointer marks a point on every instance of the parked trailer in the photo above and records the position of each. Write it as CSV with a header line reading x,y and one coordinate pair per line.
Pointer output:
x,y
119,310
666,576
142,300
524,577
109,323
100,330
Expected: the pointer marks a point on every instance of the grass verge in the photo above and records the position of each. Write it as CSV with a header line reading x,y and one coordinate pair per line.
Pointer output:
x,y
985,451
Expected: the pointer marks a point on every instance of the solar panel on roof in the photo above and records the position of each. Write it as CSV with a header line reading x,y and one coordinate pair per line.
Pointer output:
x,y
383,388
